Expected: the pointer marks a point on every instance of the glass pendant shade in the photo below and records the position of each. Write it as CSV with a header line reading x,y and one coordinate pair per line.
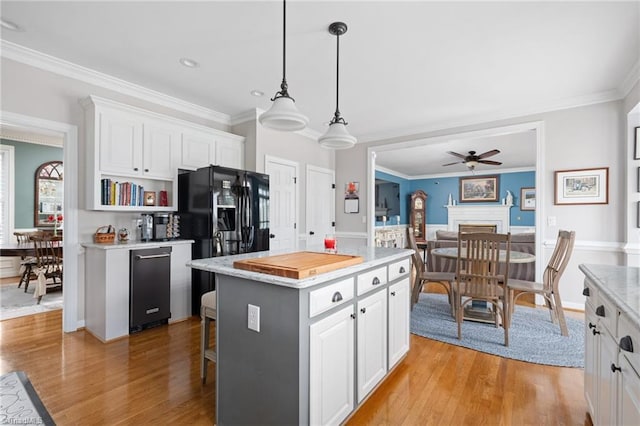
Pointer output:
x,y
283,115
337,137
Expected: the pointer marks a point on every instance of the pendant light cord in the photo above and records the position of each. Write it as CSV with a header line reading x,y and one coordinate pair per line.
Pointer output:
x,y
337,114
284,42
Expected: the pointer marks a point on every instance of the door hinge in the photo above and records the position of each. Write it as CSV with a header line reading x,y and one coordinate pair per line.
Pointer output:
x,y
295,226
333,186
333,224
295,180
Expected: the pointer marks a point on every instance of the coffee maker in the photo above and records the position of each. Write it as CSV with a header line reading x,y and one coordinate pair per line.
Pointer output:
x,y
146,227
160,224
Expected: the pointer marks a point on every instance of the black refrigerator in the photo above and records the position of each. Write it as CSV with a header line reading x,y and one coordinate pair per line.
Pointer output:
x,y
225,211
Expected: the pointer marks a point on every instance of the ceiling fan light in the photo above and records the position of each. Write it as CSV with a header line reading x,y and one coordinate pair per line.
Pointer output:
x,y
284,116
337,137
471,164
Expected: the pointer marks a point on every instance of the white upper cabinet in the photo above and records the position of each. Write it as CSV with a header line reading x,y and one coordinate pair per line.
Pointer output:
x,y
160,147
202,148
132,152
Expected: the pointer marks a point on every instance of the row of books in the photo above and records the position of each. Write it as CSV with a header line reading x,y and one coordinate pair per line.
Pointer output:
x,y
121,193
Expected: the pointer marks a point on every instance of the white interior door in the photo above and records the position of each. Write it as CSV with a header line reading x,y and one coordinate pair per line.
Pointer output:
x,y
282,202
320,204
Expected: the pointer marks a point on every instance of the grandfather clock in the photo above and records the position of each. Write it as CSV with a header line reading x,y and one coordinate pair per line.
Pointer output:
x,y
418,215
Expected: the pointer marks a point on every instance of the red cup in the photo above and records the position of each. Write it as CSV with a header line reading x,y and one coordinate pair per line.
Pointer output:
x,y
330,243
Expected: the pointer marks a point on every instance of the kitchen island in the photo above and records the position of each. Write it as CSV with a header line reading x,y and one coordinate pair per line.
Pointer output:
x,y
612,344
318,346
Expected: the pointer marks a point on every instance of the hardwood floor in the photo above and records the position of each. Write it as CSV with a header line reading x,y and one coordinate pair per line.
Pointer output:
x,y
154,377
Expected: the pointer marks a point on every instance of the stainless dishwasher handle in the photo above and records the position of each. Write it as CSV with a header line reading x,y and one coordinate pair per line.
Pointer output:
x,y
153,256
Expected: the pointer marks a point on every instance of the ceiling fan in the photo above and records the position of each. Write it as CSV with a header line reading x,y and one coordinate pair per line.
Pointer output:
x,y
472,160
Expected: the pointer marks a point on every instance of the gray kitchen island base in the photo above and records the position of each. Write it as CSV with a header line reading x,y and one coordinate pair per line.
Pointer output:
x,y
324,343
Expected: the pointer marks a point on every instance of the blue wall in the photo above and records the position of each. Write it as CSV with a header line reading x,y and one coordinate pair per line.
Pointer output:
x,y
438,190
28,157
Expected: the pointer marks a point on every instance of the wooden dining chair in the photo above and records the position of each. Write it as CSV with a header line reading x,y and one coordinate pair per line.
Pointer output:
x,y
423,275
549,288
481,274
27,263
48,263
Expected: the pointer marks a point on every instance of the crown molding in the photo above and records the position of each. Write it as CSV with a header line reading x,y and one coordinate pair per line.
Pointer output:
x,y
578,101
630,80
59,66
455,174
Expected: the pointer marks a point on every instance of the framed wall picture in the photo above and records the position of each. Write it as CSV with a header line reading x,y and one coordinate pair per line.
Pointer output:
x,y
351,197
479,189
527,199
636,144
582,186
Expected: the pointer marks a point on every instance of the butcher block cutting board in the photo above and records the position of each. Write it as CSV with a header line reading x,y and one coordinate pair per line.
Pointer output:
x,y
302,264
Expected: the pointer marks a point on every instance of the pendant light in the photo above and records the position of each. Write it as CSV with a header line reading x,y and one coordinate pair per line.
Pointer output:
x,y
337,136
283,114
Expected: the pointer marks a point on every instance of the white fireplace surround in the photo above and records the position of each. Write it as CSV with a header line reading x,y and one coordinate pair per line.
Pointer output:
x,y
490,214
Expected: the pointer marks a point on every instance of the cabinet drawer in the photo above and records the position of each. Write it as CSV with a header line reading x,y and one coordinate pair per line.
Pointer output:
x,y
608,314
328,297
399,269
631,336
372,280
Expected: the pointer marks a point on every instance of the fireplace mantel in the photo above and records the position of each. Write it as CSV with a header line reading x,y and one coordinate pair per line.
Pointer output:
x,y
492,214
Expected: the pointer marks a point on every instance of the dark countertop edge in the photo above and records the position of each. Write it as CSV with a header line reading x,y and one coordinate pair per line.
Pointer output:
x,y
605,288
223,269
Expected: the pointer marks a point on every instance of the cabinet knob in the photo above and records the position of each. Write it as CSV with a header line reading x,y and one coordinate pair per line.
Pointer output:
x,y
626,344
272,235
594,331
600,311
146,170
363,310
353,316
592,325
375,281
312,233
402,270
135,169
585,291
336,297
615,368
393,293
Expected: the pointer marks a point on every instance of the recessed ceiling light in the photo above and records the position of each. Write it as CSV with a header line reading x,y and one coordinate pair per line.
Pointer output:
x,y
8,25
189,63
257,93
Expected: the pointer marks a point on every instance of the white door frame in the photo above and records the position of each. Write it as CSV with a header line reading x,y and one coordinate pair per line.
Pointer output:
x,y
69,134
541,171
294,164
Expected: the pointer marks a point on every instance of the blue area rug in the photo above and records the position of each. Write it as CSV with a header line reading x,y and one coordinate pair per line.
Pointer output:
x,y
532,335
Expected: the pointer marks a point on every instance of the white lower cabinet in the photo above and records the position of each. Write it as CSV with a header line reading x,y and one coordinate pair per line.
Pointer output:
x,y
611,380
372,342
331,373
399,319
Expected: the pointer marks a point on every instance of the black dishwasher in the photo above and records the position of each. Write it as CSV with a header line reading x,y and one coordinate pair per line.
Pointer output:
x,y
149,288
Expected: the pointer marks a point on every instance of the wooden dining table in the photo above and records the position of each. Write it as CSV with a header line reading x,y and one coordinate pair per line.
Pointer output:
x,y
478,310
17,249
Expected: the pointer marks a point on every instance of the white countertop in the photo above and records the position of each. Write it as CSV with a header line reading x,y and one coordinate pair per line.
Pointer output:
x,y
621,284
135,244
372,256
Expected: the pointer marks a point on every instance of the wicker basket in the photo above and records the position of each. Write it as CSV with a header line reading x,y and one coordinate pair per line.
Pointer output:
x,y
104,235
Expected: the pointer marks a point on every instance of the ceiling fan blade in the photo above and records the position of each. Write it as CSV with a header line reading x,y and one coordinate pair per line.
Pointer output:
x,y
488,154
495,163
451,164
457,155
